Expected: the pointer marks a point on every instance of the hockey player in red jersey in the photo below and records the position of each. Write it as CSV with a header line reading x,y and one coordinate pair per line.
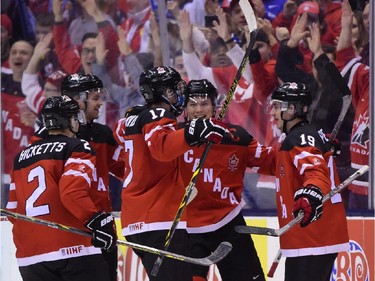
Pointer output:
x,y
305,171
153,186
88,90
51,179
216,209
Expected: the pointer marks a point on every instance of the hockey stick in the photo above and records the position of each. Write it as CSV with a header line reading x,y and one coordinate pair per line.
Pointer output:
x,y
339,82
278,232
220,252
251,21
274,265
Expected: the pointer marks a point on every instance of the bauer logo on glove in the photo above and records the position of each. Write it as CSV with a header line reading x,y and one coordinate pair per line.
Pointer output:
x,y
309,200
199,131
103,231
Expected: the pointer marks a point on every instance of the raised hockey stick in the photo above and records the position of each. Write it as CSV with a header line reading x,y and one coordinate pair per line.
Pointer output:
x,y
274,265
340,83
220,252
278,232
252,24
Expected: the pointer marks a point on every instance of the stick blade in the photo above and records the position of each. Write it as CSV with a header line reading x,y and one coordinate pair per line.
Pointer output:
x,y
249,14
245,229
157,264
221,252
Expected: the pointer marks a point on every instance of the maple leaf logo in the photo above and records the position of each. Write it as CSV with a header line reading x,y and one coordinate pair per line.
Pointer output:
x,y
233,162
360,133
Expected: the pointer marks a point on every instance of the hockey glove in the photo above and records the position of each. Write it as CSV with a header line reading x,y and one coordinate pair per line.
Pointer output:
x,y
309,199
199,131
335,146
103,231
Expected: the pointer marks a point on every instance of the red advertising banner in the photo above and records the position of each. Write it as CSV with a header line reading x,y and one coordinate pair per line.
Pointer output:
x,y
354,265
358,263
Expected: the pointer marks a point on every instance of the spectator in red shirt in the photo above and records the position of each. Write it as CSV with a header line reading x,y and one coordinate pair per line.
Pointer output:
x,y
6,34
17,124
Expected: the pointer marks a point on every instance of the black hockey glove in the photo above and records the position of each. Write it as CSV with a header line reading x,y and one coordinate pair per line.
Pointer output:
x,y
103,231
309,199
199,131
335,146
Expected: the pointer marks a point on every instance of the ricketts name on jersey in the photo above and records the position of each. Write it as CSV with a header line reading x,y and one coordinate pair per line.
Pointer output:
x,y
41,149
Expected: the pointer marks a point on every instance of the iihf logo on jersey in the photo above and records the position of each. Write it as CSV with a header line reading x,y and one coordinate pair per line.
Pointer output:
x,y
360,134
74,250
233,163
351,265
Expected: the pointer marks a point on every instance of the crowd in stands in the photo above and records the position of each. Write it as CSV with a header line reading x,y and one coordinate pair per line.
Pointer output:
x,y
42,41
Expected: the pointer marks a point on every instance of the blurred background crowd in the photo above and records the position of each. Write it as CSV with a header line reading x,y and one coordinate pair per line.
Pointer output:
x,y
42,41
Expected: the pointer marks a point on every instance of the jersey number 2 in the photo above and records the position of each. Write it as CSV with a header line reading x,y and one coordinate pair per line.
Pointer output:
x,y
31,210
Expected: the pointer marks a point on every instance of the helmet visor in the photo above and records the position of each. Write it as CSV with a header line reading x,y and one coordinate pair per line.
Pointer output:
x,y
81,117
278,105
102,92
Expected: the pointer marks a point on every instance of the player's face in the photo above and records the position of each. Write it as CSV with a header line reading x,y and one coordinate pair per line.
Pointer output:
x,y
280,115
199,107
170,94
74,124
93,104
275,111
177,96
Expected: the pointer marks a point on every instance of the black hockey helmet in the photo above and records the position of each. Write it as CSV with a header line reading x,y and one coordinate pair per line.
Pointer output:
x,y
202,88
58,110
297,94
154,82
77,83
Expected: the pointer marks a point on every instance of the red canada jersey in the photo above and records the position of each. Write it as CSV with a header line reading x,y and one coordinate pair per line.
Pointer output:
x,y
359,85
51,180
220,182
304,158
108,160
101,139
153,186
